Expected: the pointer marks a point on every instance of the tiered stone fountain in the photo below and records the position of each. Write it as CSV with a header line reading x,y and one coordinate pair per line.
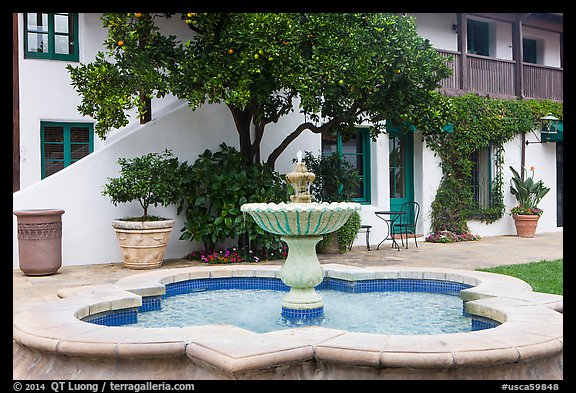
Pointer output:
x,y
301,224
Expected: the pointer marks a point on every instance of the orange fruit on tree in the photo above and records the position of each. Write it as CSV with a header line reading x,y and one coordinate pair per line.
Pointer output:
x,y
120,43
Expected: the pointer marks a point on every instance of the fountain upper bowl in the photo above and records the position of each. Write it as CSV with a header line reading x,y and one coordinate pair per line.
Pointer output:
x,y
301,219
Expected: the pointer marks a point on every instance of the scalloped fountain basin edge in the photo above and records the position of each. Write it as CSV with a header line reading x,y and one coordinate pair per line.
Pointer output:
x,y
52,342
301,219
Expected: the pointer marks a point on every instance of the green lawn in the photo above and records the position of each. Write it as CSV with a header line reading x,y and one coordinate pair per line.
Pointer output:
x,y
543,276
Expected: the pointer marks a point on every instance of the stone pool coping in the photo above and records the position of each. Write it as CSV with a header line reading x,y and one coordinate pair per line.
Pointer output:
x,y
531,327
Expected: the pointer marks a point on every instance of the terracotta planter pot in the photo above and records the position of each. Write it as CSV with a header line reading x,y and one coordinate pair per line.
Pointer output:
x,y
526,224
39,241
143,242
330,246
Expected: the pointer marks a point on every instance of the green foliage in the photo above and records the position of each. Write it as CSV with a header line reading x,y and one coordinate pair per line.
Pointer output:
x,y
336,181
528,193
219,184
345,68
152,179
450,205
349,231
541,108
478,122
118,80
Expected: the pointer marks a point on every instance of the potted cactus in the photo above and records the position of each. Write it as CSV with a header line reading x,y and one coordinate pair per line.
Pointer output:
x,y
528,193
152,179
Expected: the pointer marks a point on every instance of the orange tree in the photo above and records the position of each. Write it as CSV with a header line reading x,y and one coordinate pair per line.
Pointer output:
x,y
339,69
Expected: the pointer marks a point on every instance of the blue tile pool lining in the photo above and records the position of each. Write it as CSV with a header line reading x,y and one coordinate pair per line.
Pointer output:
x,y
151,303
303,315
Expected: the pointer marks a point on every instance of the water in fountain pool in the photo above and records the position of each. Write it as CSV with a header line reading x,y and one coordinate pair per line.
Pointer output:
x,y
259,311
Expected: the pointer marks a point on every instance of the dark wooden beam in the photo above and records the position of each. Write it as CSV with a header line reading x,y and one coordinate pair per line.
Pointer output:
x,y
463,49
15,108
518,55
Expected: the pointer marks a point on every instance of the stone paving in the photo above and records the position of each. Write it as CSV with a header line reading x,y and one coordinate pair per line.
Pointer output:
x,y
487,252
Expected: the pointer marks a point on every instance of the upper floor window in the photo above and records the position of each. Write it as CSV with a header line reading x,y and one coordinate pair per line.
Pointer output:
x,y
51,36
355,149
478,37
529,51
62,144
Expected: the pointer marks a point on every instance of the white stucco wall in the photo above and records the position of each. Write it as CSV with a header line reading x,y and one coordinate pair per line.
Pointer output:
x,y
438,29
427,176
87,236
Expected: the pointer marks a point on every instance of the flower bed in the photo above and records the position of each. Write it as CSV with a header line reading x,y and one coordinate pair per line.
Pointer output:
x,y
451,237
234,255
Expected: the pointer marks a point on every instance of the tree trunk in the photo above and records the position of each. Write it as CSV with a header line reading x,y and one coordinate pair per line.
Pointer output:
x,y
242,120
147,115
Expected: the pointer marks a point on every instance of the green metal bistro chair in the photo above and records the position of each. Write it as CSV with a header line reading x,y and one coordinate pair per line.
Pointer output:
x,y
408,221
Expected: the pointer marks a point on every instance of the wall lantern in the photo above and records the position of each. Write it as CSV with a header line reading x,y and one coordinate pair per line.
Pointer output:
x,y
549,127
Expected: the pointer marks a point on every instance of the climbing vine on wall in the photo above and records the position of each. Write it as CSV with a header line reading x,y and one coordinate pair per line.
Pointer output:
x,y
478,122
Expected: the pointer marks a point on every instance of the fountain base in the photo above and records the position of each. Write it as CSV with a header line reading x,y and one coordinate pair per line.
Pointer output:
x,y
292,314
302,272
302,299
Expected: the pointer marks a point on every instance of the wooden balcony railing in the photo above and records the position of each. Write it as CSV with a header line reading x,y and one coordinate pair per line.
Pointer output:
x,y
543,82
453,81
497,77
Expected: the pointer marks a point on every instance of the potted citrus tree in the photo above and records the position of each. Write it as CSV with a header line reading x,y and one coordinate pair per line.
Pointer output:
x,y
528,193
152,179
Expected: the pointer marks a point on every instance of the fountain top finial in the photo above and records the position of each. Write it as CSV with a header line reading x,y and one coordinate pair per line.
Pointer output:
x,y
300,180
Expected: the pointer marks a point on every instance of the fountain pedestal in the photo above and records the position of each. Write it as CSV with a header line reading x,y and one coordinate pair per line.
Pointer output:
x,y
302,272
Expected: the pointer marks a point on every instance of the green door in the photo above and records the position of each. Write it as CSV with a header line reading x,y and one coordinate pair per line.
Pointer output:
x,y
401,163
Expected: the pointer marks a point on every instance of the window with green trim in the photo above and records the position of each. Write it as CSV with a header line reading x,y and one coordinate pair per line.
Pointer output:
x,y
478,37
483,171
52,36
62,144
355,149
